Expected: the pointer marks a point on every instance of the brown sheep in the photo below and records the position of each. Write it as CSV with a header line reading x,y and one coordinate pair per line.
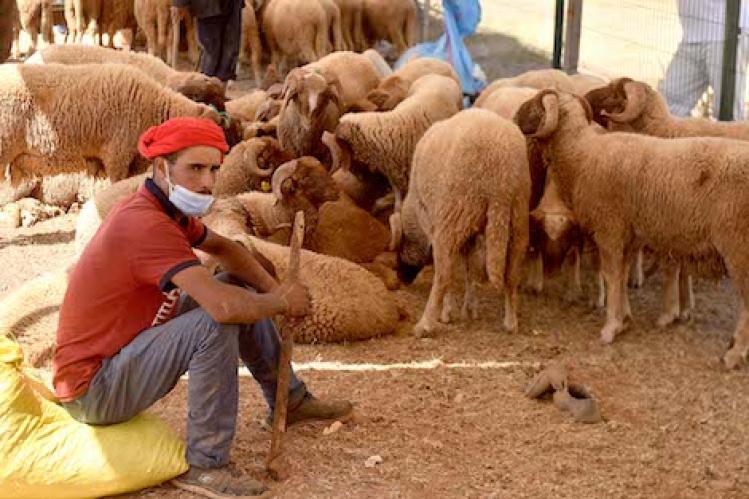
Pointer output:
x,y
154,17
335,37
385,142
311,105
631,106
8,16
195,86
391,20
35,18
249,166
352,24
87,15
677,196
117,15
393,89
82,114
251,48
356,73
469,181
296,31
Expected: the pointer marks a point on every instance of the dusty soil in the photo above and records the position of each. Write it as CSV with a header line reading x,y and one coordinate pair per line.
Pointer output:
x,y
447,425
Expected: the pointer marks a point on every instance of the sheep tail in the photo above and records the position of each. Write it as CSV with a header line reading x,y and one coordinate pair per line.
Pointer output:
x,y
497,232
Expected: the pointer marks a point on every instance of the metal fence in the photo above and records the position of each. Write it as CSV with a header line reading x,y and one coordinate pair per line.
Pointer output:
x,y
677,46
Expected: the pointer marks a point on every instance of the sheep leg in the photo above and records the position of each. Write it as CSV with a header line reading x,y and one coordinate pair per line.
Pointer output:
x,y
444,260
637,279
670,295
575,286
535,281
601,302
686,295
448,307
740,342
163,25
193,51
475,265
359,40
612,266
626,310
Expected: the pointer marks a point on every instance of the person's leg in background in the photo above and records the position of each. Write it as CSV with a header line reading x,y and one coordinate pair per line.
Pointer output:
x,y
210,39
686,78
232,38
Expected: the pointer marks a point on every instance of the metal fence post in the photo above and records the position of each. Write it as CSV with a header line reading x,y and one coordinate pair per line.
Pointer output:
x,y
730,47
573,25
556,60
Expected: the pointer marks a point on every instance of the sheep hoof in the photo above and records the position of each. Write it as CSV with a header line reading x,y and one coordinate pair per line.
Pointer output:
x,y
424,329
446,315
610,330
666,319
733,358
510,324
685,316
469,312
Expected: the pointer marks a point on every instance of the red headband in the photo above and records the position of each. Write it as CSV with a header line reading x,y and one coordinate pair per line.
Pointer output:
x,y
180,133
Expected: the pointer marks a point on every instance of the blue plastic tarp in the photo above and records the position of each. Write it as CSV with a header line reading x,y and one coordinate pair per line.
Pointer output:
x,y
461,19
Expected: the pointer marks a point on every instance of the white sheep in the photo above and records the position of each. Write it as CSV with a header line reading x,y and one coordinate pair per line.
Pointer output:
x,y
469,181
683,197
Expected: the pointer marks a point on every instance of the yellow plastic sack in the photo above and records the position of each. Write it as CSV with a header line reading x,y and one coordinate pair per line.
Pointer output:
x,y
45,453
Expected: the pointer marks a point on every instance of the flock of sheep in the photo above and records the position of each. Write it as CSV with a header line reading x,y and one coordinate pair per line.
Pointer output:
x,y
393,174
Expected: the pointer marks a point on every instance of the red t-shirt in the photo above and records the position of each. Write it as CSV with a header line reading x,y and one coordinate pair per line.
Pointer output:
x,y
122,285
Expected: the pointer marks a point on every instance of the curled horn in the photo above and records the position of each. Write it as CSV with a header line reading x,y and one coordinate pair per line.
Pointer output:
x,y
549,100
283,172
250,160
339,151
637,97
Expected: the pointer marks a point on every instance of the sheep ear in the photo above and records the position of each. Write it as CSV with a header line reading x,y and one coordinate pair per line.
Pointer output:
x,y
539,116
292,85
586,107
377,96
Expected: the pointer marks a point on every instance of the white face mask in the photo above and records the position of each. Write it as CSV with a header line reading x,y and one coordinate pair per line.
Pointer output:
x,y
188,202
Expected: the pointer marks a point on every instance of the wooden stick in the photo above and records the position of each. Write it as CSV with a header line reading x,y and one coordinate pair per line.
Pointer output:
x,y
273,465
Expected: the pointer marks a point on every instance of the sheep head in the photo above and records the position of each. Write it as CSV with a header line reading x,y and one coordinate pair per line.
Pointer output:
x,y
621,101
249,166
199,88
540,117
339,151
391,91
304,181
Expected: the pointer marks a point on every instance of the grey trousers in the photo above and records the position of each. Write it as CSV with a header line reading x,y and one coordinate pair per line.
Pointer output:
x,y
697,65
149,367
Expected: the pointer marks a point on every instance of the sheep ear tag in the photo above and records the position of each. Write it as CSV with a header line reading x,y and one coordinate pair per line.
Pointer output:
x,y
265,186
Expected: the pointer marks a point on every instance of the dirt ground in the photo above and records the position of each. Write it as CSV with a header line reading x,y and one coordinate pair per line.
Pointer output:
x,y
448,415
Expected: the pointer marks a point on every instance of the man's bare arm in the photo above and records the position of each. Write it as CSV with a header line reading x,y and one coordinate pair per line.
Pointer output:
x,y
239,261
228,304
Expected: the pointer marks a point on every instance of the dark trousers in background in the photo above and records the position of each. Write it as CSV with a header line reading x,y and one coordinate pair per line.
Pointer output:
x,y
219,38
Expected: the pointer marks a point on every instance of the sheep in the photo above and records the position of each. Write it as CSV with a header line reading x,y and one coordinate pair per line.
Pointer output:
x,y
87,14
62,119
249,166
391,20
35,17
29,314
385,141
193,85
154,17
352,24
469,180
682,197
554,232
334,23
584,83
393,89
535,78
117,15
246,107
295,30
251,49
8,16
337,227
383,68
311,104
632,106
356,73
